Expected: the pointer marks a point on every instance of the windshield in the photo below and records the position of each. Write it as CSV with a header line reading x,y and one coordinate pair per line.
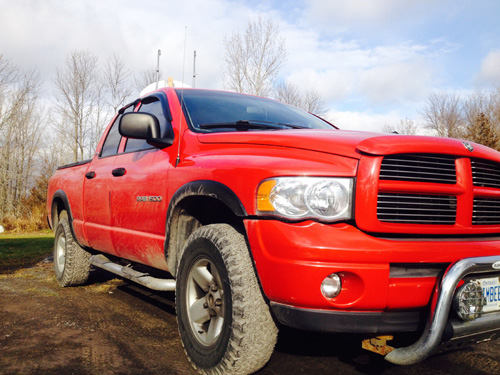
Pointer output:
x,y
216,111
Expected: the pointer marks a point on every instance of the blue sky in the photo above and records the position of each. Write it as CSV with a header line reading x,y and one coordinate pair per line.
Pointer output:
x,y
374,62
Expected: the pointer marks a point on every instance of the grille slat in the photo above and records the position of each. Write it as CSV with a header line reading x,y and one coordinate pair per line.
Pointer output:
x,y
486,211
416,208
419,168
485,173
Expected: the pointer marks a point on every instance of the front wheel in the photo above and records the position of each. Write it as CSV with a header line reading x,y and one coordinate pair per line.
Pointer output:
x,y
225,324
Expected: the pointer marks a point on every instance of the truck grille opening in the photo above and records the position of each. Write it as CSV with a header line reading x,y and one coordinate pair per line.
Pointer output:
x,y
418,192
486,211
416,208
485,173
419,168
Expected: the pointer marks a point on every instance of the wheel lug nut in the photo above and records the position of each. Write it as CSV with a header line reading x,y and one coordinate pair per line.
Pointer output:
x,y
218,302
205,305
214,288
206,290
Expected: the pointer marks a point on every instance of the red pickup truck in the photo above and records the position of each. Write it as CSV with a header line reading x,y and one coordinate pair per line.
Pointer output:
x,y
258,215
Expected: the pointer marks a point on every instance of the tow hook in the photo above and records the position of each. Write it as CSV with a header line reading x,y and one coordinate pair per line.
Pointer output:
x,y
378,344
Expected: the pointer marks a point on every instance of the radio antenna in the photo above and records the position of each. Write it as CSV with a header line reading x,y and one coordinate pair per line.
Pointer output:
x,y
178,159
158,69
194,70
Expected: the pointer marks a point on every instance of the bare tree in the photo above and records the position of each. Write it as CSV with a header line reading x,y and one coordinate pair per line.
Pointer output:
x,y
7,113
496,107
77,96
116,82
101,113
8,76
309,101
145,78
480,102
254,59
443,115
406,126
22,123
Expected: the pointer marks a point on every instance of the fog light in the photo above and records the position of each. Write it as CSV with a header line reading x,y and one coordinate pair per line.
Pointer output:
x,y
331,286
469,301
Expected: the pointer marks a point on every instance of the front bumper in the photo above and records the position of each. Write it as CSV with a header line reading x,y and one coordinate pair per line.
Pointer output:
x,y
292,260
349,321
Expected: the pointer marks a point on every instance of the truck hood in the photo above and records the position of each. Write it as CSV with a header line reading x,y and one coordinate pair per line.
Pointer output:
x,y
350,143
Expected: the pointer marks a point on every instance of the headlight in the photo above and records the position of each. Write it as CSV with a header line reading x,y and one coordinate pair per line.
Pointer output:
x,y
328,199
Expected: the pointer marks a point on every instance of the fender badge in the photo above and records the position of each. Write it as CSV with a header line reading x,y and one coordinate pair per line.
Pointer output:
x,y
151,198
496,265
468,146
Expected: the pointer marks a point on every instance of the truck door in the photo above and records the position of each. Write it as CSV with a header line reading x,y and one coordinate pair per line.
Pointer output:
x,y
138,198
97,192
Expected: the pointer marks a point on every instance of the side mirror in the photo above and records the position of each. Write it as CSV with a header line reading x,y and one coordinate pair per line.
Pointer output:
x,y
140,125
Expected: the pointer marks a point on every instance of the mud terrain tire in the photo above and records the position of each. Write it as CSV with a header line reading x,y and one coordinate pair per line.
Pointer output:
x,y
71,262
225,324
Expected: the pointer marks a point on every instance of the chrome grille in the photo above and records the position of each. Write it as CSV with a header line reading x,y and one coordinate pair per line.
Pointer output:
x,y
486,211
416,208
419,168
485,173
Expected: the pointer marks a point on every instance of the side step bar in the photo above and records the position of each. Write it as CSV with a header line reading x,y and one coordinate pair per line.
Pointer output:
x,y
164,285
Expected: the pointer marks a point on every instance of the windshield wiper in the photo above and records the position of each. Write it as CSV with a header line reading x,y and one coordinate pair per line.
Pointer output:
x,y
249,124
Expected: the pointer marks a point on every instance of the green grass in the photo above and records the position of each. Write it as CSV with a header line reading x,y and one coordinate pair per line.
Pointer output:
x,y
17,251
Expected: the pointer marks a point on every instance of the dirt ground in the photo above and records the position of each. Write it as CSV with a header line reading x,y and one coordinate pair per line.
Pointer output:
x,y
113,327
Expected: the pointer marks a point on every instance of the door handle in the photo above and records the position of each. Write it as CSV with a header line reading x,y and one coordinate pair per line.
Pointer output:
x,y
117,172
90,175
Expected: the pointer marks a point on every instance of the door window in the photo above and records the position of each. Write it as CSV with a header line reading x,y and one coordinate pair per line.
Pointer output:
x,y
153,106
110,146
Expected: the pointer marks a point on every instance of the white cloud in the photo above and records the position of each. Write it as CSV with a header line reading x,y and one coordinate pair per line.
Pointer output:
x,y
364,121
343,15
489,75
397,82
338,70
332,85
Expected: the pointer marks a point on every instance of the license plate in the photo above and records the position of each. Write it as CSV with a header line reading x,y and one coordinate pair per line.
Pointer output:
x,y
491,291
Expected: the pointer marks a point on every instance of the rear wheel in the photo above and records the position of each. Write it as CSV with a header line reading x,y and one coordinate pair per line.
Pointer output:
x,y
71,262
225,324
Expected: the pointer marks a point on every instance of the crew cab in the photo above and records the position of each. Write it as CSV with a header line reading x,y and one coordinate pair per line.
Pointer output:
x,y
260,215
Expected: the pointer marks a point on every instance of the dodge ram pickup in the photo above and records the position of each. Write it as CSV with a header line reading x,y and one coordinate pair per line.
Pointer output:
x,y
259,215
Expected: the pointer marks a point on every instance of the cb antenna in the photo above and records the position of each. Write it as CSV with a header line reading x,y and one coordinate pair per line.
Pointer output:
x,y
178,159
158,68
194,70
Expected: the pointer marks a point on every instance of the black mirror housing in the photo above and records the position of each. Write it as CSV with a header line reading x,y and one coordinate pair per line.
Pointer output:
x,y
141,125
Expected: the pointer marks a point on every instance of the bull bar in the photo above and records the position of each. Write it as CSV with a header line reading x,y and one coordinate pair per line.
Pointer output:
x,y
437,321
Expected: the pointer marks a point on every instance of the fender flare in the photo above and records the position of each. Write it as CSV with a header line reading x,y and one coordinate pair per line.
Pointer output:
x,y
200,188
60,194
207,188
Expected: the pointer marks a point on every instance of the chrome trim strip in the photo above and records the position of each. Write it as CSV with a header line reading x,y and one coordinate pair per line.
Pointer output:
x,y
433,333
416,270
